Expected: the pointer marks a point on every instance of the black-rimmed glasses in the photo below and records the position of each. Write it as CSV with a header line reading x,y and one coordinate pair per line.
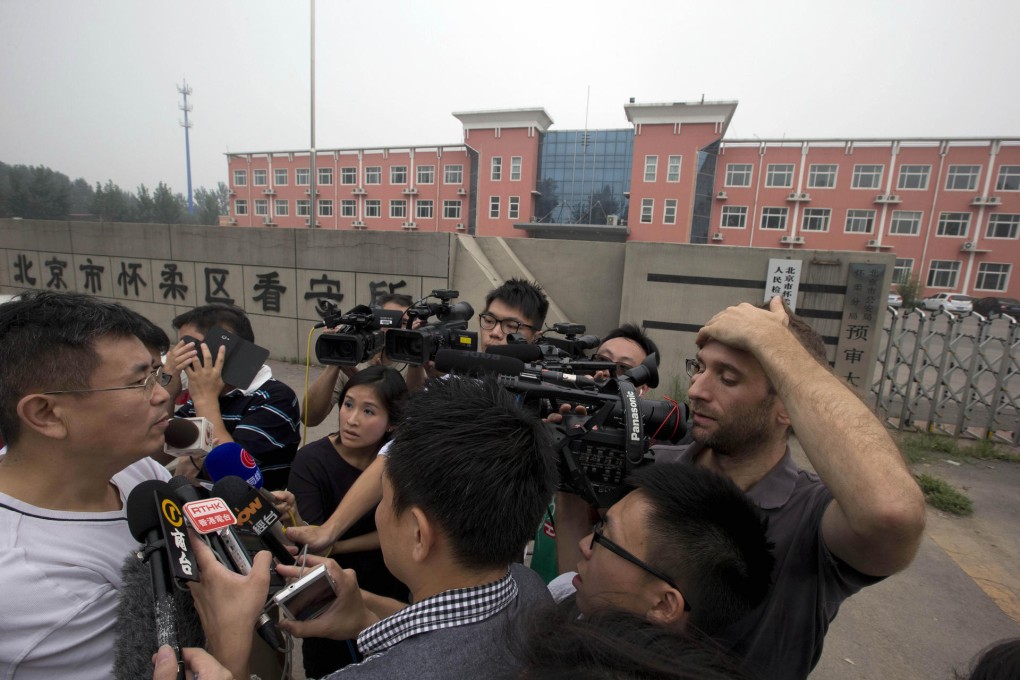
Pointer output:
x,y
147,386
693,367
488,322
598,537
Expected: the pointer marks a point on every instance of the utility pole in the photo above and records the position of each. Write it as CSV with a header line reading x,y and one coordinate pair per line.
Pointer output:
x,y
313,178
186,107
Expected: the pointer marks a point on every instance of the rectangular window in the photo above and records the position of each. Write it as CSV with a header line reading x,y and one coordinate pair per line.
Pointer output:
x,y
259,177
734,217
240,207
423,210
913,177
779,175
513,208
282,208
325,208
859,221
651,168
822,176
373,174
1003,226
426,174
647,208
738,175
303,207
302,177
905,223
494,207
240,178
773,218
816,219
992,276
325,176
901,272
963,177
673,169
280,177
398,174
943,274
497,168
348,207
867,176
451,210
349,176
516,163
398,209
261,206
953,224
1009,178
669,211
373,208
453,174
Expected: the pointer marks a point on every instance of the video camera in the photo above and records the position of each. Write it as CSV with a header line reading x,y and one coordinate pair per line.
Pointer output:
x,y
419,345
361,334
597,450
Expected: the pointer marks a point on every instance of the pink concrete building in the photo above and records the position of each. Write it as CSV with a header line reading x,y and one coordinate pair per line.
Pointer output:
x,y
948,208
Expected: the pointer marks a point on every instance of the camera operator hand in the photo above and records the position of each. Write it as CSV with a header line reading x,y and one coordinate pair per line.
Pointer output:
x,y
197,663
286,505
345,618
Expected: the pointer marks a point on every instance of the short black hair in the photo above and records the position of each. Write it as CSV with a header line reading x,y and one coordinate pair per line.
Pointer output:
x,y
996,662
706,534
635,334
475,462
554,644
404,301
47,343
227,317
389,386
526,296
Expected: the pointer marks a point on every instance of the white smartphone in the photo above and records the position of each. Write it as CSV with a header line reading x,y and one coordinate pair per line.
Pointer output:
x,y
307,597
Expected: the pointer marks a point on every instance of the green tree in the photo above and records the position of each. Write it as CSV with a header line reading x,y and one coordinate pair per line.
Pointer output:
x,y
166,209
81,196
223,197
207,206
145,207
34,192
111,203
910,289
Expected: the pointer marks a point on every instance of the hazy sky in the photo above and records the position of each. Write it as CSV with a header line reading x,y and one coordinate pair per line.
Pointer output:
x,y
88,87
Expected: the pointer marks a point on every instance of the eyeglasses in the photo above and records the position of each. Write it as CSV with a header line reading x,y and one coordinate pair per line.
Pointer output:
x,y
693,367
147,386
488,322
618,369
598,537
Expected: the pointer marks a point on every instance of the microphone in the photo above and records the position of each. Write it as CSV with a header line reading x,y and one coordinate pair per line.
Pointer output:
x,y
231,553
230,459
460,361
526,352
143,515
253,513
188,436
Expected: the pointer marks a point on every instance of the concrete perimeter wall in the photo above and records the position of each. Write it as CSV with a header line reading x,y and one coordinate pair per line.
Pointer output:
x,y
277,276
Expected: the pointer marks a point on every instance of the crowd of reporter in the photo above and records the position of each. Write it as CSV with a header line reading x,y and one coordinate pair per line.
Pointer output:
x,y
720,560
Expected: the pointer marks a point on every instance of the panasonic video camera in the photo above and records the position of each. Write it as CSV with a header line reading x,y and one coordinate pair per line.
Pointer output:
x,y
449,331
360,336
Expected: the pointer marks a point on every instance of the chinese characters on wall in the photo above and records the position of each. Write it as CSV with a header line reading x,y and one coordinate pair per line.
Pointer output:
x,y
862,314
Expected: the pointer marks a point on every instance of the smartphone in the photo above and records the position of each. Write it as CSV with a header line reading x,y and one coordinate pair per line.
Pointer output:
x,y
242,359
307,597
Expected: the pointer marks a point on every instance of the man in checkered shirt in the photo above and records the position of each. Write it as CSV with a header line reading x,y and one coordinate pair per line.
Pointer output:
x,y
467,479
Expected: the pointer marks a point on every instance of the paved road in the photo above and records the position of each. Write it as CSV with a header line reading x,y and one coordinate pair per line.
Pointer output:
x,y
961,594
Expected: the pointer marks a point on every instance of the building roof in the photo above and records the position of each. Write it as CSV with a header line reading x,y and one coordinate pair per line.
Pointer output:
x,y
681,112
505,118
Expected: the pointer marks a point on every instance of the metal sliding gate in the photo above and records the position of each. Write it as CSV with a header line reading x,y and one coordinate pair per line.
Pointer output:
x,y
949,373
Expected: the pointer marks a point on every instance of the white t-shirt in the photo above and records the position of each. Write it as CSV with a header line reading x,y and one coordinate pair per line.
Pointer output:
x,y
59,584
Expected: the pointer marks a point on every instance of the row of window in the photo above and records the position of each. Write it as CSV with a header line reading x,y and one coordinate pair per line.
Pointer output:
x,y
425,174
672,168
780,175
348,208
496,168
668,210
902,223
991,276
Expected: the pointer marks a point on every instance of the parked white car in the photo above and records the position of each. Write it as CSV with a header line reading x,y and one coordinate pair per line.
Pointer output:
x,y
950,302
895,300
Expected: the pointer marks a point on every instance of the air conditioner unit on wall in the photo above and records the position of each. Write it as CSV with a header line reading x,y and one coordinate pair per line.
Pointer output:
x,y
717,236
968,245
721,196
462,191
872,243
460,226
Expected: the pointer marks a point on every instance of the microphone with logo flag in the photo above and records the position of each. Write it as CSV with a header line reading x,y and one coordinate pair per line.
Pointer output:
x,y
231,459
253,513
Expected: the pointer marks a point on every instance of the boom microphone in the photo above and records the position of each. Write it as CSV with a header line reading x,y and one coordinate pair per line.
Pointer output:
x,y
526,352
188,436
460,361
253,513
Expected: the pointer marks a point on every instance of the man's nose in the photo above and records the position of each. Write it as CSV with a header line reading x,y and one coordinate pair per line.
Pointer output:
x,y
585,545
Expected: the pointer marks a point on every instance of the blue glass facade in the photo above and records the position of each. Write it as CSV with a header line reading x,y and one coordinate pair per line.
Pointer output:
x,y
583,176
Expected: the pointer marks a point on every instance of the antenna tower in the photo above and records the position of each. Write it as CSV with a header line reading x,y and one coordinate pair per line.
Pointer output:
x,y
185,90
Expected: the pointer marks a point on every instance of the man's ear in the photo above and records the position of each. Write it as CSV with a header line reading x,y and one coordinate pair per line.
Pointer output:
x,y
424,532
782,417
43,414
668,609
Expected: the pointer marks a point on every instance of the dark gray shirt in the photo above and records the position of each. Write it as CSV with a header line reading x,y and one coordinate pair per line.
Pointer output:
x,y
782,639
